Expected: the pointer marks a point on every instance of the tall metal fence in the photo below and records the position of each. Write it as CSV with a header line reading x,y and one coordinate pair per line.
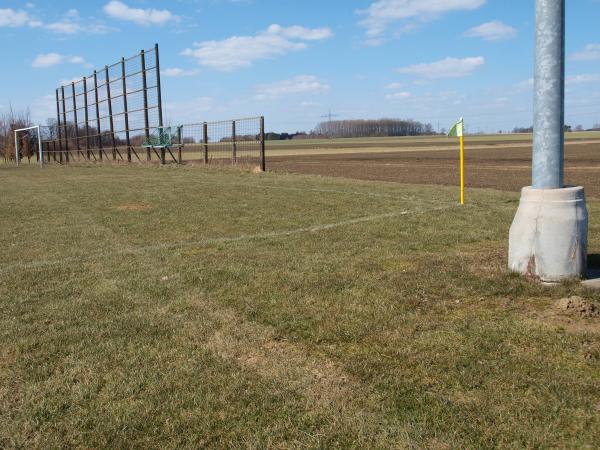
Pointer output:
x,y
112,111
116,114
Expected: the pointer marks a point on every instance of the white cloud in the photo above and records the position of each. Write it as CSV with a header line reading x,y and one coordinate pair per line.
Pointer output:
x,y
121,11
65,82
445,68
307,104
64,27
382,13
297,32
193,109
301,84
394,86
70,27
525,84
238,52
176,72
492,31
53,59
583,78
591,52
397,96
13,19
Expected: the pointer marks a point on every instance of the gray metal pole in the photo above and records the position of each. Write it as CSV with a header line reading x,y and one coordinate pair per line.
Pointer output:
x,y
549,97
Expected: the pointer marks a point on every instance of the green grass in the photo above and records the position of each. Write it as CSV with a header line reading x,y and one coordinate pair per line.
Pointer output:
x,y
183,307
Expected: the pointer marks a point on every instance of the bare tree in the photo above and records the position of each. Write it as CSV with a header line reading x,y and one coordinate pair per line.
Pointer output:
x,y
9,122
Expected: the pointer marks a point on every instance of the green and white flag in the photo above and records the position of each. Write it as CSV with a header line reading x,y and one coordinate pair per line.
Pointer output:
x,y
457,129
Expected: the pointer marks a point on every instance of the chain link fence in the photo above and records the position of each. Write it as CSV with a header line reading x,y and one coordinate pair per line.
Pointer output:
x,y
238,142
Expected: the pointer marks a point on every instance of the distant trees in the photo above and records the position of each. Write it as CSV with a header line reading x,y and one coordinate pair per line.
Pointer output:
x,y
271,136
9,122
522,130
373,128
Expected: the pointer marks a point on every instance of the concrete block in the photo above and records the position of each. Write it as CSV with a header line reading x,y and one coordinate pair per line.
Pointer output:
x,y
548,237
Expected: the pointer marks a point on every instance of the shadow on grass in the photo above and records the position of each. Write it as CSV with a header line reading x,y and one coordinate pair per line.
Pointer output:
x,y
593,267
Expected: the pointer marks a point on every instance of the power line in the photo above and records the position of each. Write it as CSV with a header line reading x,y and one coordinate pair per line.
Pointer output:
x,y
329,116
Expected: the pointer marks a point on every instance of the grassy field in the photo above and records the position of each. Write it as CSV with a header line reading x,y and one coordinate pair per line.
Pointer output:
x,y
181,307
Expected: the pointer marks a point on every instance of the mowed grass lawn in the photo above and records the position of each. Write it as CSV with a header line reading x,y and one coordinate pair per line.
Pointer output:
x,y
184,307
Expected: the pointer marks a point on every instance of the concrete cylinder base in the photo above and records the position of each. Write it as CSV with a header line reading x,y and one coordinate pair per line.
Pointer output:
x,y
548,238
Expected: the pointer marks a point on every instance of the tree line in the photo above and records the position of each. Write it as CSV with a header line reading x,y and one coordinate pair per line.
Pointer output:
x,y
373,128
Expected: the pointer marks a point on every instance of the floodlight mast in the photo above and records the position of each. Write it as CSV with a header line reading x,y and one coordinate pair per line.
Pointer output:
x,y
549,96
548,237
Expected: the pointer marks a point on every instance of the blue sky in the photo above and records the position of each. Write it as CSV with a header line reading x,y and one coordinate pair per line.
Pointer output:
x,y
293,61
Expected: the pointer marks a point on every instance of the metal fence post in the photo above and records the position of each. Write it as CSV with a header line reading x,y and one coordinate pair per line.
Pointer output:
x,y
98,115
87,118
180,147
233,143
263,162
145,89
58,125
62,88
126,109
110,113
158,86
75,120
205,129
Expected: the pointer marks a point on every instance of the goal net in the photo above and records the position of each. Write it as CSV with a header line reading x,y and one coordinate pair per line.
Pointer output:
x,y
29,144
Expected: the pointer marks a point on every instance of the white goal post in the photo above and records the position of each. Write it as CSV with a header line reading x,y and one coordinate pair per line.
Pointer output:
x,y
39,136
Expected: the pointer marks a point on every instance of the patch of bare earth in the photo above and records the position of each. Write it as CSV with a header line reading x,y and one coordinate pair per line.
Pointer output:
x,y
577,307
134,207
574,314
505,166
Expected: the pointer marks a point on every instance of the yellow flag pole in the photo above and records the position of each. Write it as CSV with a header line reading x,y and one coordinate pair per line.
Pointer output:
x,y
462,170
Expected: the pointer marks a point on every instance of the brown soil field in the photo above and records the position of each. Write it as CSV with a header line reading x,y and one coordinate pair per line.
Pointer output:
x,y
486,166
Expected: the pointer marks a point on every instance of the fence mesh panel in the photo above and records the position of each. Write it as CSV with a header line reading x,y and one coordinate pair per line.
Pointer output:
x,y
236,141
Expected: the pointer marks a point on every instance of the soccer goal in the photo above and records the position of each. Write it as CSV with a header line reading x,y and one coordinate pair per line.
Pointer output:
x,y
28,142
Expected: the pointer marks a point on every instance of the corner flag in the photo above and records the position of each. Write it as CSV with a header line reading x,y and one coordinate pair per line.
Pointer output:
x,y
458,131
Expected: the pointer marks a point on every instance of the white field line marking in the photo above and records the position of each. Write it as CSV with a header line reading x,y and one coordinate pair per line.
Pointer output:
x,y
212,241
